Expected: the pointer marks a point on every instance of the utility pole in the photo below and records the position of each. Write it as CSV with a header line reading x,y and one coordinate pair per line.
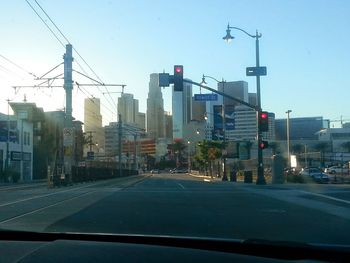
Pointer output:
x,y
120,133
7,164
68,131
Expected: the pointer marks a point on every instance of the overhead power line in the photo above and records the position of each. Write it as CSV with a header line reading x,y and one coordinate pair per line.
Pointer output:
x,y
48,27
76,51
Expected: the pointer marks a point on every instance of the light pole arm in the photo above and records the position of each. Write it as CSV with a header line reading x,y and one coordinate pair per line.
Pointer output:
x,y
257,35
205,76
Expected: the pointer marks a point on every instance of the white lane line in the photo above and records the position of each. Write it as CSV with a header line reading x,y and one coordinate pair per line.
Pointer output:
x,y
206,180
326,196
181,185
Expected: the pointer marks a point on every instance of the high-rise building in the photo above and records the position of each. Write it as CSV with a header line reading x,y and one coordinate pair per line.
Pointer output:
x,y
93,123
236,89
168,125
128,108
155,109
252,99
198,110
141,120
182,109
300,128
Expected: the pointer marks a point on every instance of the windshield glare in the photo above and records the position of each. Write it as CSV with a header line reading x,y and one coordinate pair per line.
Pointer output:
x,y
212,119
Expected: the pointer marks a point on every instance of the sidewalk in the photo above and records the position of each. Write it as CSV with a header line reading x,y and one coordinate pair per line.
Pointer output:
x,y
205,177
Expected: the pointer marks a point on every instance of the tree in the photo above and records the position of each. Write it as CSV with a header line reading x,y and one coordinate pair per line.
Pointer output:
x,y
204,152
346,146
177,147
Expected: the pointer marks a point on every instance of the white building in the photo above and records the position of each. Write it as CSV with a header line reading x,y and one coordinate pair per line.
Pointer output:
x,y
336,138
20,144
182,109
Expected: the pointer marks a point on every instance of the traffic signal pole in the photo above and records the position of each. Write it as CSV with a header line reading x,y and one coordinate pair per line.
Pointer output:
x,y
260,169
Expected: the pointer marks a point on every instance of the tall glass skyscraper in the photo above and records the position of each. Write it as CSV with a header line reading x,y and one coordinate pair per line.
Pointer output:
x,y
182,109
155,109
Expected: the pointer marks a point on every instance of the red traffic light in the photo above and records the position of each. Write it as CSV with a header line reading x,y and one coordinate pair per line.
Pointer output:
x,y
178,69
264,144
264,115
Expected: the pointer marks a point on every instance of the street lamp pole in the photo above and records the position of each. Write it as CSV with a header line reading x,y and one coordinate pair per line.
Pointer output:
x,y
288,138
223,113
189,156
228,38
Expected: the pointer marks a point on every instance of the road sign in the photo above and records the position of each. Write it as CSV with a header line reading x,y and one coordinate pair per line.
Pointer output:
x,y
164,80
67,136
256,71
82,164
211,153
206,97
90,155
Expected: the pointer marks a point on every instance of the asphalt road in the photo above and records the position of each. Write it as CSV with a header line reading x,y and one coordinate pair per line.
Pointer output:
x,y
179,204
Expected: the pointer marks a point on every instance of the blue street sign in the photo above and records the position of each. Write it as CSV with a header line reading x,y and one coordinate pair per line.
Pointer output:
x,y
206,97
256,71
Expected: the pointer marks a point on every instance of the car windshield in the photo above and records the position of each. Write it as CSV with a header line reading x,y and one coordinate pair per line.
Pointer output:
x,y
177,118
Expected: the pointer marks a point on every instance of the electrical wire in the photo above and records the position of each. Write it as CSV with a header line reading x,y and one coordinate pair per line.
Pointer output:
x,y
45,24
18,66
57,38
76,51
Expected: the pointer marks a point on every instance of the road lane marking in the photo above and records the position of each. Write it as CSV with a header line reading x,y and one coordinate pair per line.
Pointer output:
x,y
45,207
326,196
50,194
206,180
181,185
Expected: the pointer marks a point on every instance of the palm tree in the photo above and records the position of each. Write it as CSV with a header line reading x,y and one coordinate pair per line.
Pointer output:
x,y
177,147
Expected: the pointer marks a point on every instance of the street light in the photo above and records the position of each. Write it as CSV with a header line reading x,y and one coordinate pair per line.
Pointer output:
x,y
228,38
288,138
224,177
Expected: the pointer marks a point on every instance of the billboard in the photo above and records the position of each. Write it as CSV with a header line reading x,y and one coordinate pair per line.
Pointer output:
x,y
218,120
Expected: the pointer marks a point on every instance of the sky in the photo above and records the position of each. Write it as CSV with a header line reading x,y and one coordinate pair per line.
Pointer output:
x,y
304,45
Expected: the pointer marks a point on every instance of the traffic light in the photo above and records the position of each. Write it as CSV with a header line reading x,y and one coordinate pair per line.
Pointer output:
x,y
178,78
264,121
263,145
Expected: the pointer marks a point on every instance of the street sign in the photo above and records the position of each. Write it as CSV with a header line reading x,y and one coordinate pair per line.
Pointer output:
x,y
163,80
67,136
256,71
82,164
90,155
206,97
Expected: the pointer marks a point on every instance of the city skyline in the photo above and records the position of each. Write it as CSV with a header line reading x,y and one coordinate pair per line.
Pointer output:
x,y
305,55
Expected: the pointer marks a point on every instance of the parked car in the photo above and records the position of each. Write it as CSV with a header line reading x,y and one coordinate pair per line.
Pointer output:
x,y
310,171
155,171
321,178
336,170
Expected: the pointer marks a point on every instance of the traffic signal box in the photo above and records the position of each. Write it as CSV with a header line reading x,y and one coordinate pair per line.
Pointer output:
x,y
263,121
178,77
263,145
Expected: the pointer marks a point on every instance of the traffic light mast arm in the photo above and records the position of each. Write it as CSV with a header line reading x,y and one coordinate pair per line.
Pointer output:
x,y
255,107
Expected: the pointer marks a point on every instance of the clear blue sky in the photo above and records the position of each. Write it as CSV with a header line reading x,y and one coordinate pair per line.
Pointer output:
x,y
305,46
